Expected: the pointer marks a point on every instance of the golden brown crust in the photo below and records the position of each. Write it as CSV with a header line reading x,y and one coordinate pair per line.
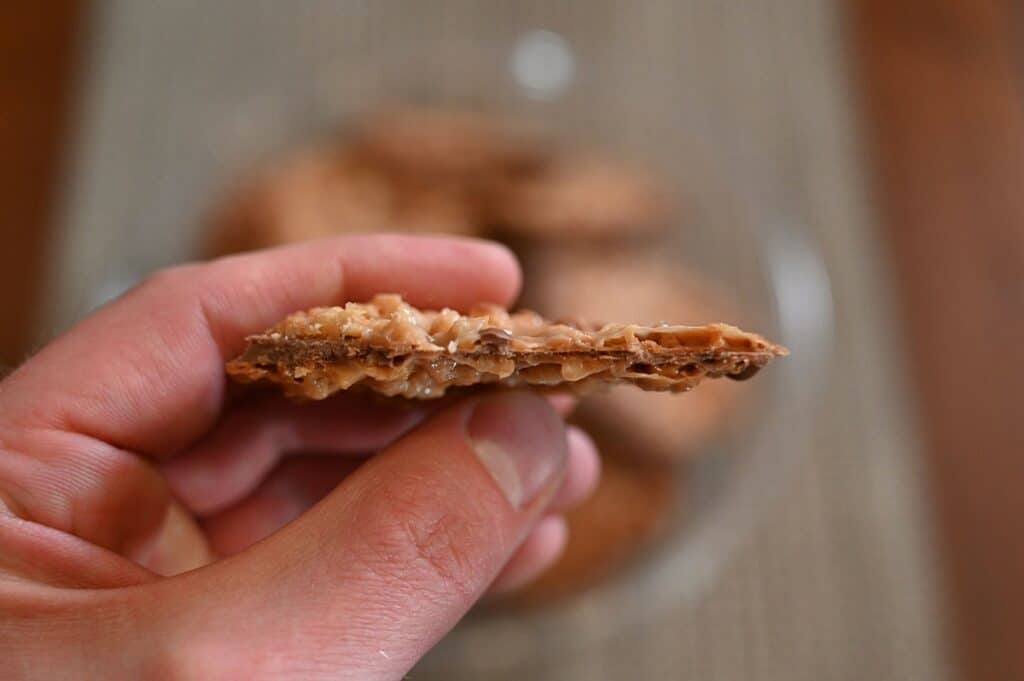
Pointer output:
x,y
395,349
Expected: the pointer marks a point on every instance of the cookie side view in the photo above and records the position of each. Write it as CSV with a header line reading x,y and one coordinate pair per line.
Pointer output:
x,y
394,349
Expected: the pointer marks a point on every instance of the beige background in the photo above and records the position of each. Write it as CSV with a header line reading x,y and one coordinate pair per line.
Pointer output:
x,y
837,580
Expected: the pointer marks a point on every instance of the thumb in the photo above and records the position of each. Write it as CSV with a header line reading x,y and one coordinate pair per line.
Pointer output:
x,y
368,580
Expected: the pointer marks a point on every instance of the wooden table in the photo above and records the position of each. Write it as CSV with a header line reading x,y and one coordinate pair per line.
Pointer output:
x,y
38,46
942,83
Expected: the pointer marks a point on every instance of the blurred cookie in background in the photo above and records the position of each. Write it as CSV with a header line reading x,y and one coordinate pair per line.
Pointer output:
x,y
325,191
582,197
641,286
616,525
453,172
438,146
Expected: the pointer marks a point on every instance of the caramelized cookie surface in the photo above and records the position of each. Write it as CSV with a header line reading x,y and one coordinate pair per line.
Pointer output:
x,y
394,349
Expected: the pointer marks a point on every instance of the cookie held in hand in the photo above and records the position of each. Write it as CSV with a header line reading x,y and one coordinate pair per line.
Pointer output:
x,y
394,349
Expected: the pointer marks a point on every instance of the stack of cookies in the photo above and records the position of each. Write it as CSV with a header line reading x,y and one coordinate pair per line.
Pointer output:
x,y
592,233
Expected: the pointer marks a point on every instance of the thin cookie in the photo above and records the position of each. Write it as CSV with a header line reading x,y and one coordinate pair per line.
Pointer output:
x,y
394,349
640,287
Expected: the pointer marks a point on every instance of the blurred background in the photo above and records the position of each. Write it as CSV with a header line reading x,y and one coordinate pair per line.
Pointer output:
x,y
842,175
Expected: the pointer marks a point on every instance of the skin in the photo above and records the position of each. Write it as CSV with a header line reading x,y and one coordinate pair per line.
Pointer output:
x,y
156,521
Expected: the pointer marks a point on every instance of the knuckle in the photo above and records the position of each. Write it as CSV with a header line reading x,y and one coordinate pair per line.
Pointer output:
x,y
426,542
125,487
441,545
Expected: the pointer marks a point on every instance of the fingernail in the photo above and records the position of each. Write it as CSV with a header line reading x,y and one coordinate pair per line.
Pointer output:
x,y
521,442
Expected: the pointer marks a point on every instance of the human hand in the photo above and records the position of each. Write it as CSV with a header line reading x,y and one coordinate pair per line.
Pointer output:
x,y
157,522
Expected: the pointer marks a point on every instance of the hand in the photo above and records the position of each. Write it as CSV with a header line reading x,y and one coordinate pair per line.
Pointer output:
x,y
157,522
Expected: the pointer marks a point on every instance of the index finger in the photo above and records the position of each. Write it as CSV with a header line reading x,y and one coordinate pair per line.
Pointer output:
x,y
145,372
